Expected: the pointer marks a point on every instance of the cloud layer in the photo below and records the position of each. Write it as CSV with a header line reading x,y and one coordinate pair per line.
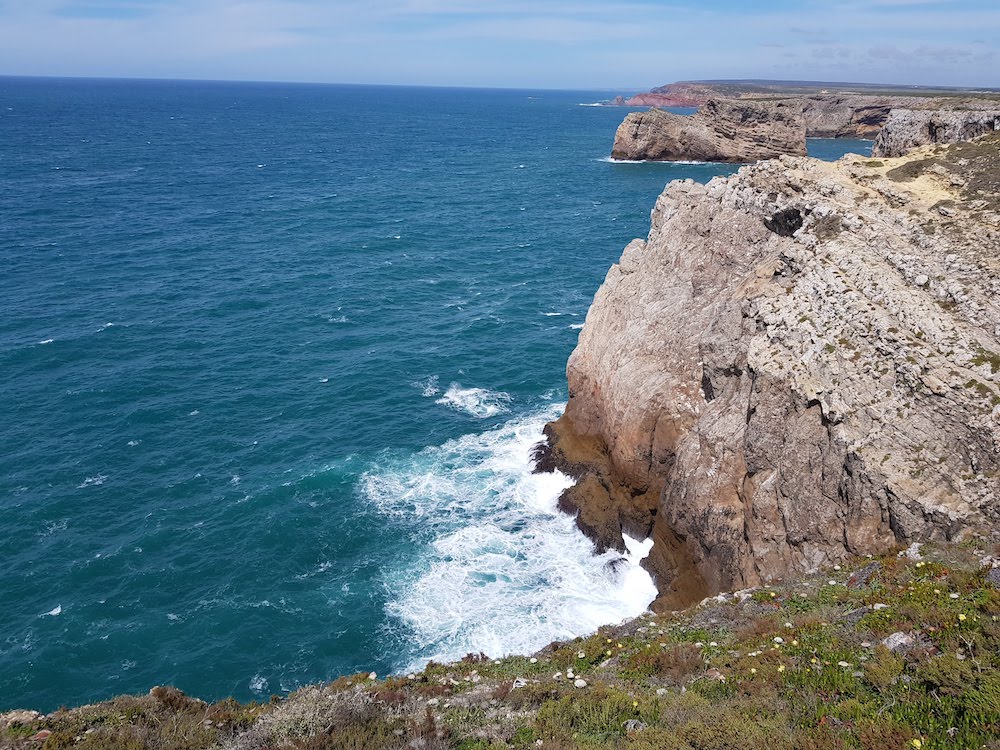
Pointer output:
x,y
557,44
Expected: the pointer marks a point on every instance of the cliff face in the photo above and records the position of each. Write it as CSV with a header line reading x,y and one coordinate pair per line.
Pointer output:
x,y
906,128
726,131
844,116
801,362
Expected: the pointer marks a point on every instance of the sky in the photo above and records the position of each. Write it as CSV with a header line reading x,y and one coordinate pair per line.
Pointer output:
x,y
571,44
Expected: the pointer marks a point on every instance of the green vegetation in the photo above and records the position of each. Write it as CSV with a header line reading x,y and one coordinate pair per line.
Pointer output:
x,y
890,653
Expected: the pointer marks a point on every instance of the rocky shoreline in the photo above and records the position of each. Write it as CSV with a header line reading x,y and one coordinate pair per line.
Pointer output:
x,y
745,124
880,654
800,364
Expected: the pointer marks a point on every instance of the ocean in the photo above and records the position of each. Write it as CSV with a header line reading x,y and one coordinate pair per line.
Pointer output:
x,y
272,361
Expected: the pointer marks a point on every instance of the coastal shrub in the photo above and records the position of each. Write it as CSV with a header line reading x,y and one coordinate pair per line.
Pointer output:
x,y
596,716
674,665
883,669
885,735
947,675
172,699
690,722
533,695
983,700
233,716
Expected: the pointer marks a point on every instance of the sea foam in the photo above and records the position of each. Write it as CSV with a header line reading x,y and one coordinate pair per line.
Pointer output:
x,y
477,402
499,569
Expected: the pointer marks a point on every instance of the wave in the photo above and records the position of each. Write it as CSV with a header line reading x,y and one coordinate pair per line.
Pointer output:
x,y
429,387
612,160
595,104
499,568
481,403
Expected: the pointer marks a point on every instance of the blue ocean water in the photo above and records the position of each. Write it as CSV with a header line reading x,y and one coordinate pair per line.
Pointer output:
x,y
272,358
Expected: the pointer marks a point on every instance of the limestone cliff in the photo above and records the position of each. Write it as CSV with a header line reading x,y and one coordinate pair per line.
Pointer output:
x,y
722,130
906,128
800,363
845,116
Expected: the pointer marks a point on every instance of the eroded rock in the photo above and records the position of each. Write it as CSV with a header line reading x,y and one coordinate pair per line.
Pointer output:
x,y
905,129
721,131
771,397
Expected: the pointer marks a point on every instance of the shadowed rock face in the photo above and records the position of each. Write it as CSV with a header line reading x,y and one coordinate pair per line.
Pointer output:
x,y
906,128
845,116
800,363
721,131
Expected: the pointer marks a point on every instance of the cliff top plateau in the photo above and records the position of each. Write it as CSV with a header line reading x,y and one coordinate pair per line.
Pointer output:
x,y
696,93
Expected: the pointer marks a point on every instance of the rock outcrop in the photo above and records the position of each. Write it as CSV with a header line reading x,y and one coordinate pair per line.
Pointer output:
x,y
800,363
906,128
830,110
721,131
845,116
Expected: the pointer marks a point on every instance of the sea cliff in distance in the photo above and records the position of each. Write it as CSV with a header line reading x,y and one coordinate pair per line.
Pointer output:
x,y
697,93
746,121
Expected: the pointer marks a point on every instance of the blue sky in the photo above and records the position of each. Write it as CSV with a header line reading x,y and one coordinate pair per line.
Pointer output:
x,y
597,44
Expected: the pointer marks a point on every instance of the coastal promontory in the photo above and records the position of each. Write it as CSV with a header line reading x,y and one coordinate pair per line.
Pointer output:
x,y
721,131
799,364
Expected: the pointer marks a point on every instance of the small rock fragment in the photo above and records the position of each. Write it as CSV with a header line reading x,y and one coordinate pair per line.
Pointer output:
x,y
898,641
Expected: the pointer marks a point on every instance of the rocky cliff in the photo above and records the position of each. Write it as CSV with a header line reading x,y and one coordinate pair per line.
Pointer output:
x,y
726,131
845,116
906,128
799,364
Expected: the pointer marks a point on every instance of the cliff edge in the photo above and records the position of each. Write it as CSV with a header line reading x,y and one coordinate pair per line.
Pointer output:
x,y
721,131
800,363
906,128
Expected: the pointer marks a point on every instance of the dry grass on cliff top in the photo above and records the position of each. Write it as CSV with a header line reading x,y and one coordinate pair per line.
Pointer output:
x,y
796,666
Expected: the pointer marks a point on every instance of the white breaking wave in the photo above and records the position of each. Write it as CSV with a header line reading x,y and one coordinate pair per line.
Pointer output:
x,y
429,387
478,402
611,160
504,571
576,326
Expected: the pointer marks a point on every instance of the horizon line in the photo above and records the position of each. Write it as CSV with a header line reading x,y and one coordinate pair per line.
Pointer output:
x,y
618,90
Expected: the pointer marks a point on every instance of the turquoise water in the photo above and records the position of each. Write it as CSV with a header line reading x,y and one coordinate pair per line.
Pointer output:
x,y
272,359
